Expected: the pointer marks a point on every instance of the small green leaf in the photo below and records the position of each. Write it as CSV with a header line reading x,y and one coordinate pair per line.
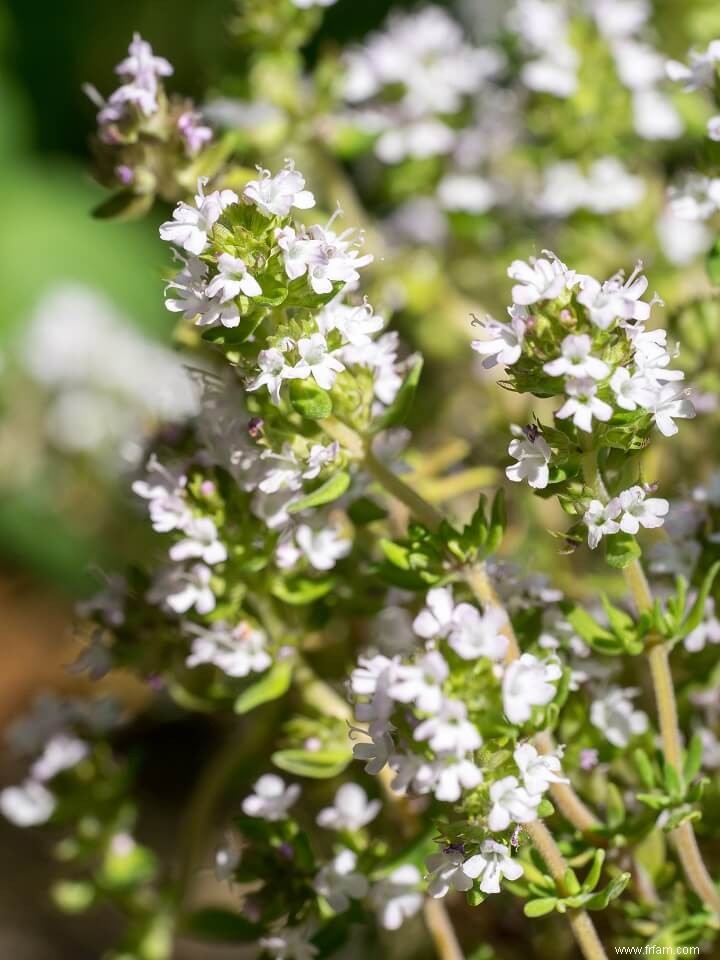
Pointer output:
x,y
319,765
399,409
540,907
216,923
697,611
644,767
593,876
309,400
299,591
498,521
334,487
615,807
273,685
621,549
693,758
673,782
571,882
713,263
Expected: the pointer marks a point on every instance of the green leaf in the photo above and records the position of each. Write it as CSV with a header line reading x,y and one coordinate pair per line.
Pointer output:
x,y
498,521
319,765
309,400
364,510
593,876
334,487
540,907
621,549
673,783
216,923
644,767
615,807
571,882
697,611
299,590
592,633
273,685
399,409
693,758
124,205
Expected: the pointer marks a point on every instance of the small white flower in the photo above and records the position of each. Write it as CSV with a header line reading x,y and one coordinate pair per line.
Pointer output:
x,y
640,511
615,717
323,548
338,882
576,360
190,226
355,324
446,776
528,682
232,279
582,405
668,405
492,864
446,873
511,803
615,299
289,943
272,798
504,345
631,390
180,589
351,809
601,520
449,731
470,194
333,259
533,456
164,490
317,361
142,60
320,456
700,72
61,753
237,651
275,196
540,279
421,683
474,635
537,770
397,897
201,542
28,805
377,750
437,617
274,370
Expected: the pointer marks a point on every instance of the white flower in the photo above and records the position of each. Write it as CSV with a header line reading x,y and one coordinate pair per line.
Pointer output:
x,y
317,361
333,259
289,943
319,456
540,279
283,472
506,340
614,299
351,809
533,456
511,803
668,405
446,873
189,287
615,717
141,60
165,492
357,325
422,138
582,405
700,72
297,250
421,683
492,864
437,617
631,390
338,882
377,750
474,635
449,731
201,542
446,776
577,361
180,589
528,682
706,632
640,511
190,226
232,279
274,369
306,4
28,805
323,548
471,194
272,798
275,196
601,520
61,753
396,897
537,770
237,651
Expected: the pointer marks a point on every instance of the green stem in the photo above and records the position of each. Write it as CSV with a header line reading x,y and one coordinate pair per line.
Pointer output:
x,y
658,652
